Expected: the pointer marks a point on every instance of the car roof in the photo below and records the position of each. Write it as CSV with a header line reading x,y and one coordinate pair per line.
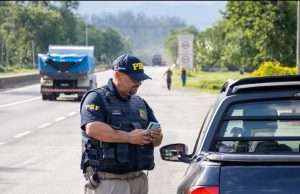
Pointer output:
x,y
249,89
231,87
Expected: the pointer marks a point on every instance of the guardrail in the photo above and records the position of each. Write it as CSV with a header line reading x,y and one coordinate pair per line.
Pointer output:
x,y
11,81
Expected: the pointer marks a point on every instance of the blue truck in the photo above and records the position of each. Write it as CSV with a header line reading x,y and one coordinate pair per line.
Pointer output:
x,y
67,70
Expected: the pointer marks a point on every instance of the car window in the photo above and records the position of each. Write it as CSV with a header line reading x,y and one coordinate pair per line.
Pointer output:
x,y
202,132
264,127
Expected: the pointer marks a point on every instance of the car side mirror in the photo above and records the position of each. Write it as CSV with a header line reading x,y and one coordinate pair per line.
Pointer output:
x,y
175,152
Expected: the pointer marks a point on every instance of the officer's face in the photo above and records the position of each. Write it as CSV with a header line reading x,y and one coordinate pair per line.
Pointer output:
x,y
127,85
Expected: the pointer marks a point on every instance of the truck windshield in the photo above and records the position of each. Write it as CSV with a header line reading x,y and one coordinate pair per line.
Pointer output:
x,y
261,127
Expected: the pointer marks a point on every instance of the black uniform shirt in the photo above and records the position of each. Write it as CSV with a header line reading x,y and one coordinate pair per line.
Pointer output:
x,y
93,108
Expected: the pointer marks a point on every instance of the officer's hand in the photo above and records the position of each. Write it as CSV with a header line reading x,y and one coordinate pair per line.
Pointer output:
x,y
156,136
138,136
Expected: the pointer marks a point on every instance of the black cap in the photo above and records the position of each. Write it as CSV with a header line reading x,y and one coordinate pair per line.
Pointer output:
x,y
130,65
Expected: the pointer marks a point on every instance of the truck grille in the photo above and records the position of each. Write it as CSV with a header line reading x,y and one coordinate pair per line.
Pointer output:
x,y
65,83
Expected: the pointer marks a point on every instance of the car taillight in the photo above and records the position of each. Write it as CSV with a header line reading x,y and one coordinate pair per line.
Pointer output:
x,y
204,190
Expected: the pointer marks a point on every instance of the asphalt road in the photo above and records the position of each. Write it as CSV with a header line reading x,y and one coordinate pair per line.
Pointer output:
x,y
40,141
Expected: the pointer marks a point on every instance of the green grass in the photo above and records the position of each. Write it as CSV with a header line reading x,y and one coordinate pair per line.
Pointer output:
x,y
205,81
4,71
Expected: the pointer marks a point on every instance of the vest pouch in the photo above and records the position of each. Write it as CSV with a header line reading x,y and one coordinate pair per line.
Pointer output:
x,y
123,154
92,153
107,157
145,157
116,117
92,142
108,151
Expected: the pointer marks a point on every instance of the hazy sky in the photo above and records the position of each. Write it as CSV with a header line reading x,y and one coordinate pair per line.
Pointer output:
x,y
199,13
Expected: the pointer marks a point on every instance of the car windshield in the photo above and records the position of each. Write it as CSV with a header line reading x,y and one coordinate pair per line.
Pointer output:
x,y
261,127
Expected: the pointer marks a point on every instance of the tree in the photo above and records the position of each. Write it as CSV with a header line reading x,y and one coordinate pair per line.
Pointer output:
x,y
251,32
113,45
66,10
27,24
69,5
267,28
209,47
146,34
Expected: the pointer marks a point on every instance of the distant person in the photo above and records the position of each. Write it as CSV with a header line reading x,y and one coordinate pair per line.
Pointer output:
x,y
168,75
183,76
242,71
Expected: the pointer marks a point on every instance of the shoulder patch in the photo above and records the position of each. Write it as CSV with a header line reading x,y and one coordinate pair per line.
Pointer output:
x,y
92,107
143,114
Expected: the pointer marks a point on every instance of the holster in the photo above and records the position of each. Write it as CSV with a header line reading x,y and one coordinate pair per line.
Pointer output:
x,y
92,178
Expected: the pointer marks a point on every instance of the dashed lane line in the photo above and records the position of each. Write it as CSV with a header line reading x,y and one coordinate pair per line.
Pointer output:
x,y
20,88
44,125
72,113
22,134
59,119
19,102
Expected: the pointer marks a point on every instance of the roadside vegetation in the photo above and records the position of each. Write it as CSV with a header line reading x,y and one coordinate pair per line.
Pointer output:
x,y
253,39
37,24
29,27
205,81
146,34
269,68
213,81
249,35
18,70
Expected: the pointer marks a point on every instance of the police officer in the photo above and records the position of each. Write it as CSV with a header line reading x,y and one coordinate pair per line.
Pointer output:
x,y
115,146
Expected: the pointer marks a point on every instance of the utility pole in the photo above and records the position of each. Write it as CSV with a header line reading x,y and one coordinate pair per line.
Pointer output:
x,y
6,52
86,35
2,48
298,37
32,46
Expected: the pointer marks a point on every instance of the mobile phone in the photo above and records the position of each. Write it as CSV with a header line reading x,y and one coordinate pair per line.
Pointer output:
x,y
152,125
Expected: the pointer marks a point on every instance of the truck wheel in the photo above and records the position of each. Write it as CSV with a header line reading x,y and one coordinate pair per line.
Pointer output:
x,y
94,85
79,98
94,82
44,97
52,97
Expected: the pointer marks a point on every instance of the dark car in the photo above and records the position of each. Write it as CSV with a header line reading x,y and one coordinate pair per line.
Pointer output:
x,y
249,142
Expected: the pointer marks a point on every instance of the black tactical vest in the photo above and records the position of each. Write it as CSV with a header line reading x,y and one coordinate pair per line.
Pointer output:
x,y
118,157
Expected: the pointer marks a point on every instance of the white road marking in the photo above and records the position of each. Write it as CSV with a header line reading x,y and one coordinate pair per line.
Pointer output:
x,y
59,119
22,134
19,102
19,88
24,163
44,125
72,113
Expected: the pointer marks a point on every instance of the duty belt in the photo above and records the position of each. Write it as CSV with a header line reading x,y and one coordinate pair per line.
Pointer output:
x,y
111,176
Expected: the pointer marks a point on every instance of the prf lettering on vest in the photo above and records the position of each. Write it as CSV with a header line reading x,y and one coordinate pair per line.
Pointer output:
x,y
137,66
